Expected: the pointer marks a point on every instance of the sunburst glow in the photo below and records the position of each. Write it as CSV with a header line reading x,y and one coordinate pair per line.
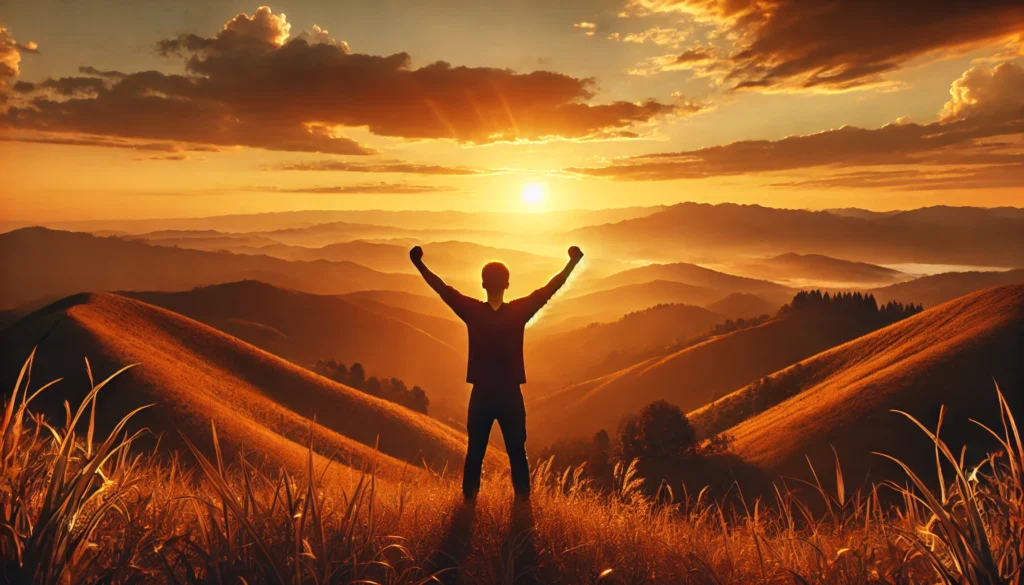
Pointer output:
x,y
534,194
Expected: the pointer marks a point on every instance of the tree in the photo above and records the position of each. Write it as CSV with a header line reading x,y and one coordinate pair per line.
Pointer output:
x,y
658,435
357,376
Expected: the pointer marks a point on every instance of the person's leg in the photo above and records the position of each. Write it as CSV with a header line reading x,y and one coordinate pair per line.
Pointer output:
x,y
478,427
512,419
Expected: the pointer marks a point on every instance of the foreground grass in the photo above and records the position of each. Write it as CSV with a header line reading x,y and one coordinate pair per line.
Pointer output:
x,y
77,508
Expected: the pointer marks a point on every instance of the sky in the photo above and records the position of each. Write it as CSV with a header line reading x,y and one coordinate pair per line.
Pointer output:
x,y
184,108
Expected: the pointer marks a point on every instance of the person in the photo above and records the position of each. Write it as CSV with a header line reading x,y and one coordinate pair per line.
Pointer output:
x,y
496,369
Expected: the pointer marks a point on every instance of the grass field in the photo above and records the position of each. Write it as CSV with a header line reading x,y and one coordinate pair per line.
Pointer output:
x,y
80,508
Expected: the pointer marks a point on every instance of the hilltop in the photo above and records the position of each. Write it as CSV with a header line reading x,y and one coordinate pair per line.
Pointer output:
x,y
305,328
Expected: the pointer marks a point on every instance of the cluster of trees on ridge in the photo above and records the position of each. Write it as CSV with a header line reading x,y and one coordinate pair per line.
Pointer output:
x,y
659,438
855,304
390,389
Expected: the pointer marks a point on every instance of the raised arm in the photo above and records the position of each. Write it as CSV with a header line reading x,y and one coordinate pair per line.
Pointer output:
x,y
448,294
539,297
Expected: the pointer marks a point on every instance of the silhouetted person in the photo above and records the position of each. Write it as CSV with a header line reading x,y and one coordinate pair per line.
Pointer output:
x,y
496,367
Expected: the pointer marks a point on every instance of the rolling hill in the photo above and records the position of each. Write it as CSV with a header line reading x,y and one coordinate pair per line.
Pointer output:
x,y
48,264
564,313
842,398
743,306
195,375
694,275
819,269
601,348
429,304
696,375
304,328
936,289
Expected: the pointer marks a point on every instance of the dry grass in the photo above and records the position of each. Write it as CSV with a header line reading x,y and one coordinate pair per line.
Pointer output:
x,y
77,508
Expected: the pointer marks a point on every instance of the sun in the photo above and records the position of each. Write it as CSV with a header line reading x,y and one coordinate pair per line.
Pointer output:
x,y
533,194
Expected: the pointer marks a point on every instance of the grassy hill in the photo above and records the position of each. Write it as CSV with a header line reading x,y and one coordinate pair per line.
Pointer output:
x,y
821,269
304,328
565,312
842,398
48,264
743,306
195,375
695,275
696,375
601,348
936,289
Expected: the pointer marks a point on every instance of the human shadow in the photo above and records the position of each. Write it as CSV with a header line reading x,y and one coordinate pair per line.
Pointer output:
x,y
519,550
446,563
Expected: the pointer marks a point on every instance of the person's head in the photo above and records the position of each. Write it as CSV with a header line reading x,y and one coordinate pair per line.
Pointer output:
x,y
495,277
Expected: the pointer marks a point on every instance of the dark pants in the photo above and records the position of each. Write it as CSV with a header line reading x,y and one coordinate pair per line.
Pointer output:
x,y
505,405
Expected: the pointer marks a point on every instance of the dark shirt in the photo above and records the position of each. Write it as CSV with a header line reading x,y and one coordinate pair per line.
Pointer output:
x,y
496,336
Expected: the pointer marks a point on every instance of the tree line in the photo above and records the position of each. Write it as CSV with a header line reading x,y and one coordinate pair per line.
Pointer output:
x,y
659,438
390,389
853,303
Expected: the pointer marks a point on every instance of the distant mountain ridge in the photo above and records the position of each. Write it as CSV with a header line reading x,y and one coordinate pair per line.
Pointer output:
x,y
967,236
48,264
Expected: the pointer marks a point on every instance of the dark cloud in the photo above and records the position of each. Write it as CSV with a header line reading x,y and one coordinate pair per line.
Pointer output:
x,y
971,137
380,167
105,142
835,45
253,85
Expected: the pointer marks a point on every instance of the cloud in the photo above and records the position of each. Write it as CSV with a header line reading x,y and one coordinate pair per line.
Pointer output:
x,y
104,142
168,157
10,60
381,167
365,188
801,45
253,85
585,25
987,134
662,36
919,180
984,91
700,59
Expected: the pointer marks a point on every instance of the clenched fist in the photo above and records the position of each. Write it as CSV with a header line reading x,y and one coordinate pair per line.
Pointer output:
x,y
416,254
575,254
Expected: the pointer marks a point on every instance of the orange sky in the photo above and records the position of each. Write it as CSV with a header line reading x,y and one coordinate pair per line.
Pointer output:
x,y
127,109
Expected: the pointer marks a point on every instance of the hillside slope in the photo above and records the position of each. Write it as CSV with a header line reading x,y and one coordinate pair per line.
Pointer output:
x,y
304,328
194,374
696,375
48,264
948,356
936,289
695,275
820,269
743,306
601,348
